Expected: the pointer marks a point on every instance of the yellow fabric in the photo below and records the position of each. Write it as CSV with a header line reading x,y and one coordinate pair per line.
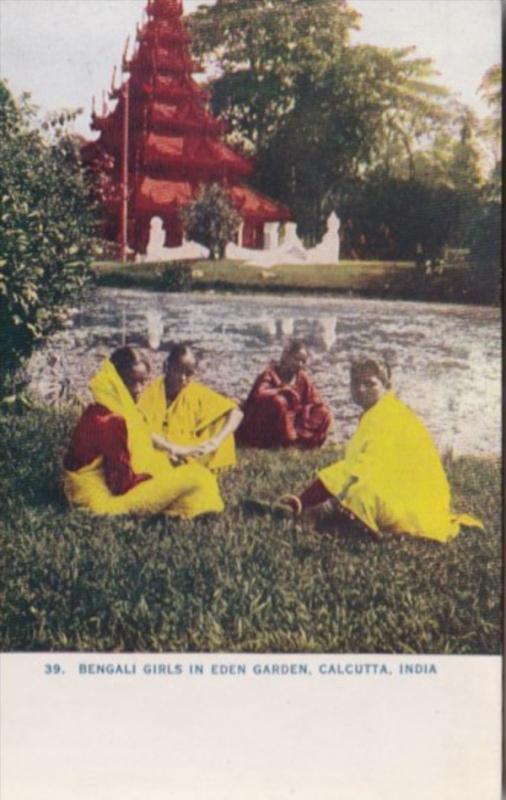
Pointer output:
x,y
197,414
391,476
181,491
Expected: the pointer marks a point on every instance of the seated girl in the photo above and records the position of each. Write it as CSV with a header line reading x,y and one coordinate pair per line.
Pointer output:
x,y
284,408
198,422
391,478
112,466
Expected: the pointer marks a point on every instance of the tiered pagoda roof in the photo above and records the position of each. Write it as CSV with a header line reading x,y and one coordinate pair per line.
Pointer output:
x,y
175,145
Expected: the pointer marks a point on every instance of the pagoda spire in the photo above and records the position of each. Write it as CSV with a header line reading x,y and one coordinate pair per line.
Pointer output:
x,y
163,140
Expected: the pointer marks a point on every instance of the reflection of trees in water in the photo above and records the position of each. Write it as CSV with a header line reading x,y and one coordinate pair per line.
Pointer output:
x,y
446,359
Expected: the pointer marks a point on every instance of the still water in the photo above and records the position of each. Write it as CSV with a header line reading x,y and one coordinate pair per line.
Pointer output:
x,y
446,359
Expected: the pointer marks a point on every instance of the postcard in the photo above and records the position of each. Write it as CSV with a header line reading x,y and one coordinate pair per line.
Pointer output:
x,y
250,399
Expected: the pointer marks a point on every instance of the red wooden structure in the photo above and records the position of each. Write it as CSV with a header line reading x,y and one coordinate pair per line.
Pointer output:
x,y
160,144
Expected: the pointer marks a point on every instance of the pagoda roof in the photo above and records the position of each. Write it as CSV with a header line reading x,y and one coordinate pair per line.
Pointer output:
x,y
170,88
165,8
155,196
256,206
196,151
164,32
162,60
186,117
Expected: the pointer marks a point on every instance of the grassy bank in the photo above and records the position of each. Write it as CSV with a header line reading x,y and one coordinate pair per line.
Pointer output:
x,y
382,279
237,582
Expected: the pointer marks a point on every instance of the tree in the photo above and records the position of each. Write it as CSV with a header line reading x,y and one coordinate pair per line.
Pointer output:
x,y
318,113
45,230
263,49
491,91
211,220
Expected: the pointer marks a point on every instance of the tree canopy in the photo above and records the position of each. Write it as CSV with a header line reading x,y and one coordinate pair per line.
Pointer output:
x,y
319,114
45,229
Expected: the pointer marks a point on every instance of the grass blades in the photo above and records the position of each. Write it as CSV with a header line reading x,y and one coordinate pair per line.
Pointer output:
x,y
240,582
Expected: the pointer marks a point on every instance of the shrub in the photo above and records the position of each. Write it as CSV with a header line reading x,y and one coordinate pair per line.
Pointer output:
x,y
45,230
176,278
211,220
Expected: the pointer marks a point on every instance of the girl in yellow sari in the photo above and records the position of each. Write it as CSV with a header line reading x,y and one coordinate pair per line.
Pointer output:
x,y
112,466
391,478
198,422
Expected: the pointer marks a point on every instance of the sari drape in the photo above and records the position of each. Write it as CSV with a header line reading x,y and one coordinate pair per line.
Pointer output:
x,y
392,477
280,415
180,491
195,415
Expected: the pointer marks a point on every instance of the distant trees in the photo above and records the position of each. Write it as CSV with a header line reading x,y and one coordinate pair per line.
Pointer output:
x,y
211,220
45,230
328,122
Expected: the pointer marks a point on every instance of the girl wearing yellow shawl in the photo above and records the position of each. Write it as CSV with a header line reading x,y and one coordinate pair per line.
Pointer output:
x,y
391,478
198,422
112,466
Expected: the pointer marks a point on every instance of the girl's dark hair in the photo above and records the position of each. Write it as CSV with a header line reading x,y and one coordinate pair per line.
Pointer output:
x,y
124,358
294,346
176,353
376,366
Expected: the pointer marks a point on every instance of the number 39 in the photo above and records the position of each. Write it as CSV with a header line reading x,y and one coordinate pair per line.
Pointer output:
x,y
52,669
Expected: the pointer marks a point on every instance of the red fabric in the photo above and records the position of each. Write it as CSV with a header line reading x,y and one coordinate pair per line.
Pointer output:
x,y
277,415
99,432
314,495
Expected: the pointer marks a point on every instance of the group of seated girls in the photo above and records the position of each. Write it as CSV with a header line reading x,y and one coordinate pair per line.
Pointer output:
x,y
146,447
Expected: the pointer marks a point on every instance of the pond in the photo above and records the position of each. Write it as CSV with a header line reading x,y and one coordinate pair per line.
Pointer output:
x,y
446,358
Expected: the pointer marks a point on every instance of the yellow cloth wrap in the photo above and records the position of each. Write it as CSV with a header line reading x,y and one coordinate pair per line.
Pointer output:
x,y
180,491
197,414
392,477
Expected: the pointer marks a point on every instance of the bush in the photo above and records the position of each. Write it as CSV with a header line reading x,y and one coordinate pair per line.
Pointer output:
x,y
45,230
211,220
176,278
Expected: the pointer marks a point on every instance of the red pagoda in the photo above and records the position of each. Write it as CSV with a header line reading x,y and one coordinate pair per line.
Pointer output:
x,y
160,144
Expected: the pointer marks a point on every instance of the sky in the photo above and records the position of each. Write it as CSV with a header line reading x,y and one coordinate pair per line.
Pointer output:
x,y
63,51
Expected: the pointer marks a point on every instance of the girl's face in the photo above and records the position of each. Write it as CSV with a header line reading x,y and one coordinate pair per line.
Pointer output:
x,y
135,379
180,374
366,389
292,363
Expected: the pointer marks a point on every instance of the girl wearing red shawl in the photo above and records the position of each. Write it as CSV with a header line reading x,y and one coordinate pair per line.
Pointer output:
x,y
284,409
112,466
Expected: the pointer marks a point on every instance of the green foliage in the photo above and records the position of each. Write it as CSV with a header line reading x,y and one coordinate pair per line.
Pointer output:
x,y
237,583
318,113
264,48
458,281
211,219
45,226
176,277
491,91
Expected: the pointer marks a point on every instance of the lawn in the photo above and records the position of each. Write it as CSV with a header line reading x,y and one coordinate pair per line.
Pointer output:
x,y
228,274
383,279
237,582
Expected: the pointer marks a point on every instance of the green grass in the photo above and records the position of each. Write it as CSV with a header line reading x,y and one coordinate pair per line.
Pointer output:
x,y
234,583
384,279
229,274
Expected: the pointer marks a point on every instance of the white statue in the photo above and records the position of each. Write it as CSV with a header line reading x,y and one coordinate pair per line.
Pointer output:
x,y
327,252
291,250
156,250
156,242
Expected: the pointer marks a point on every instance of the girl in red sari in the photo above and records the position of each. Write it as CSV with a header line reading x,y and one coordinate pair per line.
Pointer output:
x,y
284,409
112,467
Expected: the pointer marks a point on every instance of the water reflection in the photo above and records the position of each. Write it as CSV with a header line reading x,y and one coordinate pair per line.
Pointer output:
x,y
446,359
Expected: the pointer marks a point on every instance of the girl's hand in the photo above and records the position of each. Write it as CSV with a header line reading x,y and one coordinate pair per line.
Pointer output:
x,y
206,448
